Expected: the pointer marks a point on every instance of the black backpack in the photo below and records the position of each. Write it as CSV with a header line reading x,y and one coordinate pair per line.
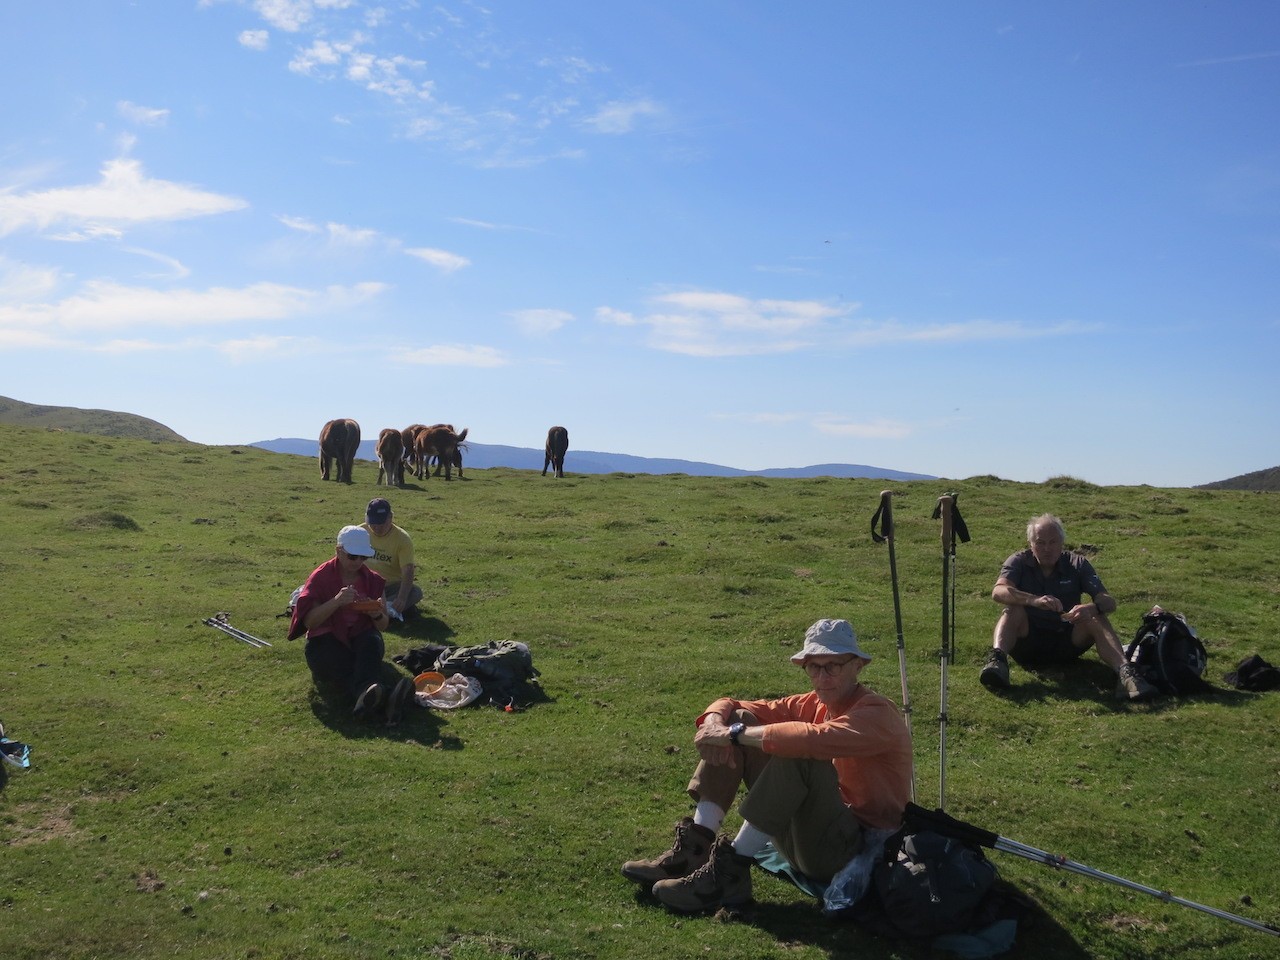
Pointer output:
x,y
1169,654
929,884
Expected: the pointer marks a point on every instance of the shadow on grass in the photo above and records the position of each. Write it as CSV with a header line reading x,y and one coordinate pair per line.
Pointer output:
x,y
1090,679
802,922
332,706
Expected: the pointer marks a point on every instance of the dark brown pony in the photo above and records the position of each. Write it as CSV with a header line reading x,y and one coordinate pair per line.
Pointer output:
x,y
557,445
391,457
438,441
409,436
339,441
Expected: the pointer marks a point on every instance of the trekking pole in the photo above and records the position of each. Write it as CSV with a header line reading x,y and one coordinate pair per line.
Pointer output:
x,y
949,826
948,557
884,516
219,622
952,526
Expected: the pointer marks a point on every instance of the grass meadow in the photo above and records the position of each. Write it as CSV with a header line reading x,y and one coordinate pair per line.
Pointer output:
x,y
190,796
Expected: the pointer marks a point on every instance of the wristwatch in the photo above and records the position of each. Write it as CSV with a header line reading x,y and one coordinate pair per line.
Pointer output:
x,y
735,730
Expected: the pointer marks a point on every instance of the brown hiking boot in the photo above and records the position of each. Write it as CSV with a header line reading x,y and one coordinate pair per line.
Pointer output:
x,y
691,849
995,672
723,881
1132,685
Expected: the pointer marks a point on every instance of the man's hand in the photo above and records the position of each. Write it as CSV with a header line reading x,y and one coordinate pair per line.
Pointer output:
x,y
1047,602
713,743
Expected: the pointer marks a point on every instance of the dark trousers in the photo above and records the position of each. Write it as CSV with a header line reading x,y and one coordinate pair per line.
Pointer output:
x,y
352,667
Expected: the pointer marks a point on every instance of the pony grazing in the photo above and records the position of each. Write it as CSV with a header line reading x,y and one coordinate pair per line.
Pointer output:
x,y
438,441
339,441
557,445
391,457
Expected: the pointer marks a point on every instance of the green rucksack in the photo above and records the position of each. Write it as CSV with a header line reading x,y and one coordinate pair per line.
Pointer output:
x,y
503,667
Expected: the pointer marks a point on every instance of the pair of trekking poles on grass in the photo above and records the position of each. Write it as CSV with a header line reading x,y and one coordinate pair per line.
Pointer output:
x,y
918,818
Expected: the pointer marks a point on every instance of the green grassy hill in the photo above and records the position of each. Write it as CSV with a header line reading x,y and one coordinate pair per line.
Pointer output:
x,y
107,423
1259,480
190,796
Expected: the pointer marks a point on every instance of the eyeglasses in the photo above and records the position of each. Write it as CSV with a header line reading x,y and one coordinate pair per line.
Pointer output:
x,y
356,557
830,669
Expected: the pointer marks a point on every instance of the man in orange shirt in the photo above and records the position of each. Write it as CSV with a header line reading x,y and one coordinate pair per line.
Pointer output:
x,y
819,767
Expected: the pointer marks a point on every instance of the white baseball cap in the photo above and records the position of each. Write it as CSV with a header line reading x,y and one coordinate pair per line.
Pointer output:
x,y
355,541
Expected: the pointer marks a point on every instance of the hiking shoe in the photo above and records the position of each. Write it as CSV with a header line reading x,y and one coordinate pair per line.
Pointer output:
x,y
400,698
690,850
368,702
723,881
1132,685
995,672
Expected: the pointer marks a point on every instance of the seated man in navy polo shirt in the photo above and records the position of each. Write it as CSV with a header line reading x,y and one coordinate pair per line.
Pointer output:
x,y
1045,622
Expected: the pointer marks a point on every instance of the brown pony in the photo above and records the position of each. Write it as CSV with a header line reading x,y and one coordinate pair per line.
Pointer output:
x,y
339,441
409,436
557,444
438,441
391,457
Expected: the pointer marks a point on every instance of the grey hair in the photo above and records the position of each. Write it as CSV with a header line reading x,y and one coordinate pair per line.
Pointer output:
x,y
1042,520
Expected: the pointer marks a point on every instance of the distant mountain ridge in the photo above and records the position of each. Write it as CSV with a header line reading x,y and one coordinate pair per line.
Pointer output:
x,y
1257,480
485,455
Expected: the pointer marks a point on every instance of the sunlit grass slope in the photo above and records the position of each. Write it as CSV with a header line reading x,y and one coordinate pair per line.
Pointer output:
x,y
190,797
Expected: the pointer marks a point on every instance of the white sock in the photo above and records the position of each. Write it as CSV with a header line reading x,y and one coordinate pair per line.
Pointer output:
x,y
709,815
750,840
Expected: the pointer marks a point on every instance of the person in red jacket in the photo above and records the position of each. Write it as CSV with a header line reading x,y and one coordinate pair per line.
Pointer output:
x,y
342,612
818,767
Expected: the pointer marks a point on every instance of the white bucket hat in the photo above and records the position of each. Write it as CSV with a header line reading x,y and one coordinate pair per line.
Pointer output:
x,y
830,638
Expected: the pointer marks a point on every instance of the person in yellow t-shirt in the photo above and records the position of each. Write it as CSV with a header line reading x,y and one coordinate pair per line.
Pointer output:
x,y
392,558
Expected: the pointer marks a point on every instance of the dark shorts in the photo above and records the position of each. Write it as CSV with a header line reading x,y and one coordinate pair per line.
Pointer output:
x,y
1045,644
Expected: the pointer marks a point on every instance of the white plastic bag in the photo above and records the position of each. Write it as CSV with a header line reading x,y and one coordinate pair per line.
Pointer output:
x,y
457,691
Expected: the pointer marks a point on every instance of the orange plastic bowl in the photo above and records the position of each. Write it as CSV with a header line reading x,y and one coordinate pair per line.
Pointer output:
x,y
428,682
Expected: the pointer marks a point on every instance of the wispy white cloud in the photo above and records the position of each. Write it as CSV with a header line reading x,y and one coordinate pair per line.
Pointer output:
x,y
123,196
254,39
620,116
715,324
487,122
619,318
176,269
288,15
142,116
830,424
301,224
344,235
103,306
20,283
442,260
540,322
453,356
878,429
261,347
891,331
326,59
487,225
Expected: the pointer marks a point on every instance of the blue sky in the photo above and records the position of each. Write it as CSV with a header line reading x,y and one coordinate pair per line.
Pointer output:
x,y
950,238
